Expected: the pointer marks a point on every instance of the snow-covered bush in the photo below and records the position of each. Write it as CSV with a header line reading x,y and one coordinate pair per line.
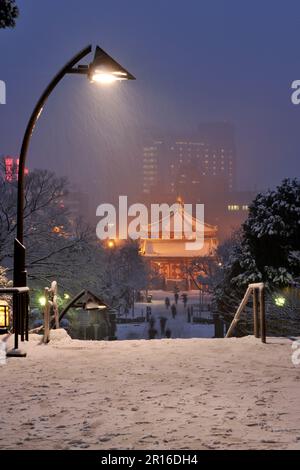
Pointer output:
x,y
266,249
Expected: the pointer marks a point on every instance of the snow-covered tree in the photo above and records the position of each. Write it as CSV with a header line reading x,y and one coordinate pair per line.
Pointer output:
x,y
63,249
124,272
9,12
53,241
266,249
4,282
272,235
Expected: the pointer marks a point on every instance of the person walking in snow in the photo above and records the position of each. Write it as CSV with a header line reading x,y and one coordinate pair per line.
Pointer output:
x,y
167,302
168,333
152,332
173,310
189,315
176,296
184,299
163,322
148,313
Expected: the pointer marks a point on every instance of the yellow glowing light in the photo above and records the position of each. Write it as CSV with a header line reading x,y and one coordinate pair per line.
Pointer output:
x,y
42,301
66,296
111,244
4,314
106,77
280,301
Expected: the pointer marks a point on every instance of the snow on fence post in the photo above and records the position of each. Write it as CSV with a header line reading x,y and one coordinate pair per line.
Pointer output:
x,y
236,317
51,306
46,336
53,302
252,288
262,315
255,313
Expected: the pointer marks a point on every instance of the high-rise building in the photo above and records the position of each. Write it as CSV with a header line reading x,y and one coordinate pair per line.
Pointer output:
x,y
219,138
191,164
151,163
78,204
200,167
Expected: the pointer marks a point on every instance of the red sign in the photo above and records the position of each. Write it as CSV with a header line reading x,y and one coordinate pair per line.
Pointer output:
x,y
12,169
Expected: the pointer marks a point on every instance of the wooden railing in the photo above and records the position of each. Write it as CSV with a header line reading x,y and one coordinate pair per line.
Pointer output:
x,y
259,312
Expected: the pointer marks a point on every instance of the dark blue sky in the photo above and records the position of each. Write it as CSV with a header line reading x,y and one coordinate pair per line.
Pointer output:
x,y
195,60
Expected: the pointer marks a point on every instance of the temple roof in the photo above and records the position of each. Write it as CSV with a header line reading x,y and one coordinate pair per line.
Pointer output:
x,y
174,246
177,223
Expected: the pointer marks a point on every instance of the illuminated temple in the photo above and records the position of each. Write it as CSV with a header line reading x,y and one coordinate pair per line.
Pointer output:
x,y
169,257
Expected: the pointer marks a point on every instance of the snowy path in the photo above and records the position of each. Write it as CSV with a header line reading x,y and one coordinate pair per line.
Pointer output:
x,y
160,394
179,326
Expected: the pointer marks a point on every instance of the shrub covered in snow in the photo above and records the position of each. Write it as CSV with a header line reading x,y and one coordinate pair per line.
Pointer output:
x,y
266,249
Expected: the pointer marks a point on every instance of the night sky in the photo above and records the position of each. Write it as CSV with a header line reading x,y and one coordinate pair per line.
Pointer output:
x,y
195,60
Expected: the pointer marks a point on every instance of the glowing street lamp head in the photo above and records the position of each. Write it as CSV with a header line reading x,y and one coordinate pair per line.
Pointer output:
x,y
106,77
105,70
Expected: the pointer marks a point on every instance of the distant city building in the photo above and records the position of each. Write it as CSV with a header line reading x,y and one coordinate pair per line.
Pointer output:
x,y
11,169
234,211
219,138
200,167
153,154
189,164
78,206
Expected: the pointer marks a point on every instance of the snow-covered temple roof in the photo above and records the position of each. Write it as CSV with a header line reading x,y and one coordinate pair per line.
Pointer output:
x,y
158,246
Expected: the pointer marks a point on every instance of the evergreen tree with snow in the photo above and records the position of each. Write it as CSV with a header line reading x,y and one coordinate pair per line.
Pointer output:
x,y
8,13
271,235
266,249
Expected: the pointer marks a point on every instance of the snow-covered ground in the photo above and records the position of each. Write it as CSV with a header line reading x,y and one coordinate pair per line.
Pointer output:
x,y
159,394
179,327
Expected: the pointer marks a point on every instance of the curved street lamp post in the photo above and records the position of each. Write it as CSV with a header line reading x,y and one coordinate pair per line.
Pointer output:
x,y
103,70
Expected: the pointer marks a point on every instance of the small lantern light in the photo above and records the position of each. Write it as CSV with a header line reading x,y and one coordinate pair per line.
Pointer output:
x,y
111,244
280,301
4,316
42,300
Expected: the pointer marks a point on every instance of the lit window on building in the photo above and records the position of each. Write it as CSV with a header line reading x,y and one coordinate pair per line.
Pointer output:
x,y
233,207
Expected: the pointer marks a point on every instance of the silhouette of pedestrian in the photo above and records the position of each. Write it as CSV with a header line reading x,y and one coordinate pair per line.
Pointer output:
x,y
189,315
163,322
167,302
152,332
168,333
148,313
184,299
173,310
176,296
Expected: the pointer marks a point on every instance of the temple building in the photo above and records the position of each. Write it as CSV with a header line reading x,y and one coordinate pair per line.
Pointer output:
x,y
169,257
